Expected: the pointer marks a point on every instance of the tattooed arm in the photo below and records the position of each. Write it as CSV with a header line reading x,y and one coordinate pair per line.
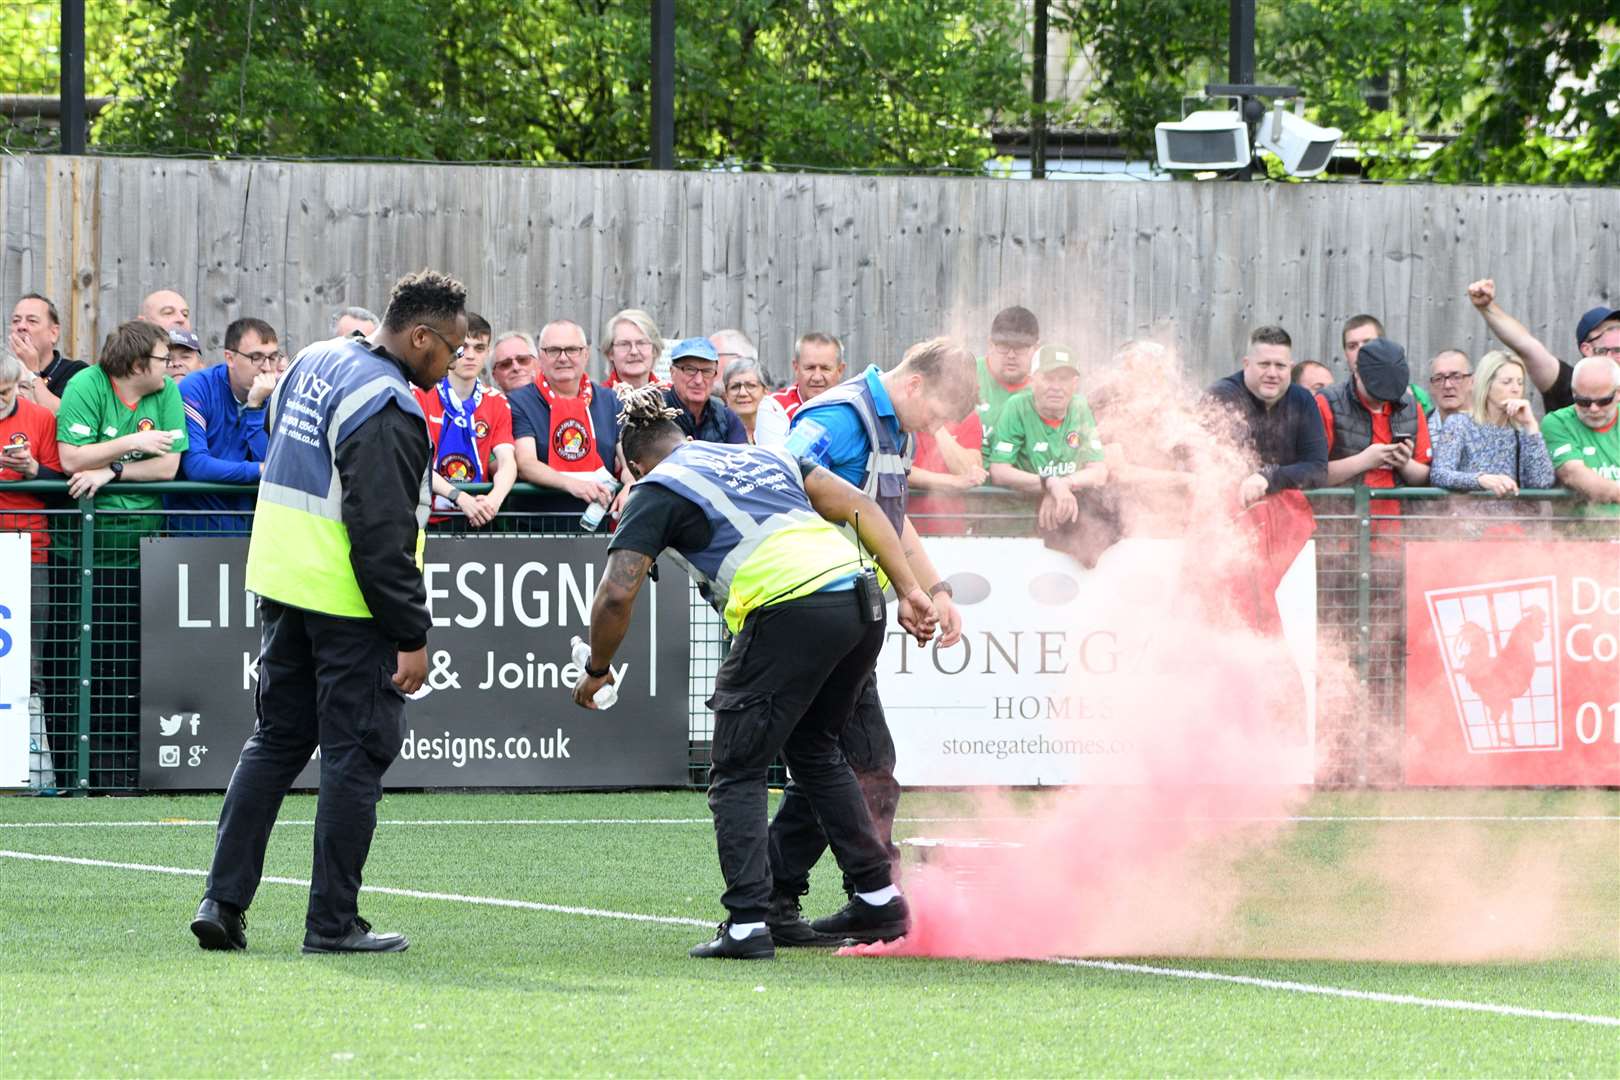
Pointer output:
x,y
610,616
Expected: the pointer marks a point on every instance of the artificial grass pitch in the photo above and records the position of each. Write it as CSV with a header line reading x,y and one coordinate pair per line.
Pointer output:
x,y
102,977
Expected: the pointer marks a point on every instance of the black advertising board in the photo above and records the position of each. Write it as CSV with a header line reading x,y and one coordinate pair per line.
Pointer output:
x,y
499,711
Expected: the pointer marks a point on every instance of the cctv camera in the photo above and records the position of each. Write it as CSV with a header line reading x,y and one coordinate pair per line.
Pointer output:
x,y
1209,139
1303,146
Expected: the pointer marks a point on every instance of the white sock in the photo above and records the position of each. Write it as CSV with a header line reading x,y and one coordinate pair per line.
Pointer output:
x,y
881,897
740,930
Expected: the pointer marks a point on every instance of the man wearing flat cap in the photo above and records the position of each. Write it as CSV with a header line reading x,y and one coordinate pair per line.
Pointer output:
x,y
1376,431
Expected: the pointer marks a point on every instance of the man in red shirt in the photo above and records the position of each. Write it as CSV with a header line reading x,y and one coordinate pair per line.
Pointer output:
x,y
818,366
471,429
948,462
27,452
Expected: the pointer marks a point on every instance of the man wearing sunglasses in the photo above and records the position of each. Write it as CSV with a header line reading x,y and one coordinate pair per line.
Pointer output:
x,y
1584,440
1596,334
225,433
345,626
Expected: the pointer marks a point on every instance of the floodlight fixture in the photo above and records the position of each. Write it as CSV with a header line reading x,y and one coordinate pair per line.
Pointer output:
x,y
1209,140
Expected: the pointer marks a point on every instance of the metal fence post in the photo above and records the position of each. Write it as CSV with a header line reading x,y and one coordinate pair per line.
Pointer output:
x,y
87,566
1363,520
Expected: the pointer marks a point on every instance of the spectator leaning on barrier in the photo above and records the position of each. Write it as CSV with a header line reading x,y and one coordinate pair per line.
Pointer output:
x,y
354,321
818,366
745,391
1046,446
1313,375
185,354
1451,383
1276,419
471,429
769,424
225,433
512,361
631,345
166,308
479,333
1583,440
1496,446
1596,334
1004,371
1376,431
949,461
566,427
861,429
692,365
36,329
27,452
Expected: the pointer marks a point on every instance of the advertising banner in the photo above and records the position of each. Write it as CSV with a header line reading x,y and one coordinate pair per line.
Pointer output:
x,y
18,727
1035,693
1513,666
499,710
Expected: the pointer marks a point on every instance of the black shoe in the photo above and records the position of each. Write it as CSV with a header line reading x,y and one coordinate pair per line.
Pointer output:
x,y
864,923
756,946
788,926
359,939
220,926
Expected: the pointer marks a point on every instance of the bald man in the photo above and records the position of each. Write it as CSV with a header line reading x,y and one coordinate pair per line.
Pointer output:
x,y
167,309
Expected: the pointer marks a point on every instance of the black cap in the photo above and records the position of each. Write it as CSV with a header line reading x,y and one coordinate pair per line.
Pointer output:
x,y
1381,363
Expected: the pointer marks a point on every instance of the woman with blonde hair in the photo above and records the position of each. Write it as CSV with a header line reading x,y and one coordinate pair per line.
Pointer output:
x,y
631,344
1496,446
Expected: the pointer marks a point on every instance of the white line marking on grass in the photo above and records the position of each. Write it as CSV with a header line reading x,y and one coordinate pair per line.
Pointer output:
x,y
674,920
457,822
1343,992
414,894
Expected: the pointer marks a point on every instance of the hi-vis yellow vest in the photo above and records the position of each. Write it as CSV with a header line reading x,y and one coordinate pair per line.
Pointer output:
x,y
299,554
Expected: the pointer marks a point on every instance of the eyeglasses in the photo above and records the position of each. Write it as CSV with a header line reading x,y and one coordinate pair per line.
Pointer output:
x,y
750,387
556,352
164,359
260,359
633,346
1450,377
1593,402
455,354
1612,351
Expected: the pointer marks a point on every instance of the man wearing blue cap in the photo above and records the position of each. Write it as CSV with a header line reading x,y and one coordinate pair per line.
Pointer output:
x,y
1596,334
693,365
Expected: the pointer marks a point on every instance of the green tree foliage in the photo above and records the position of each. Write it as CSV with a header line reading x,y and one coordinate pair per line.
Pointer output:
x,y
912,84
1524,90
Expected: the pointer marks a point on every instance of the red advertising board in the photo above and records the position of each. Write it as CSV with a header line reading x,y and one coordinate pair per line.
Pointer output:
x,y
1513,663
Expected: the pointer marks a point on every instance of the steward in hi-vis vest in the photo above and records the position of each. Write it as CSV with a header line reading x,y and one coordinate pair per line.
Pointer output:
x,y
756,529
336,561
864,431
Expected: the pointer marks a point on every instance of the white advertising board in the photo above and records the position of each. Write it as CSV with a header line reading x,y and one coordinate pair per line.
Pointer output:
x,y
16,605
1046,686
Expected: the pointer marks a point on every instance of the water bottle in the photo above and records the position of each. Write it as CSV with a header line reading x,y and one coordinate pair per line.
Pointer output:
x,y
591,519
609,693
808,439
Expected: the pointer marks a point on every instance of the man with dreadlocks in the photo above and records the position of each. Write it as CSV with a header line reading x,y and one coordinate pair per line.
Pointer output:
x,y
753,526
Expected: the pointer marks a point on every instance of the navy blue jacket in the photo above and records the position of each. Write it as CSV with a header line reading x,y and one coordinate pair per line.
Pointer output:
x,y
226,444
1288,438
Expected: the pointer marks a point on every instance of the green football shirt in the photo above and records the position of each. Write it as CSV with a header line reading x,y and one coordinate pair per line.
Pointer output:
x,y
1027,442
92,412
1570,440
993,398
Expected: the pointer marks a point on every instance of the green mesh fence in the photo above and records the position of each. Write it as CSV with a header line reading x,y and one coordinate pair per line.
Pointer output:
x,y
86,608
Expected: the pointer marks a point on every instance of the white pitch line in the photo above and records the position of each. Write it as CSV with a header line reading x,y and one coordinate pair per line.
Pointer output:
x,y
1105,965
415,894
1344,992
455,822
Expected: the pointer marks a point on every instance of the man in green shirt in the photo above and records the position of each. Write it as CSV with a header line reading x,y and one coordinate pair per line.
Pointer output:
x,y
1584,440
1004,369
1046,445
120,422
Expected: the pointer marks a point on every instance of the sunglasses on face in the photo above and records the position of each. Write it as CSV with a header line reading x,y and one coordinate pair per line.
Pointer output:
x,y
1593,402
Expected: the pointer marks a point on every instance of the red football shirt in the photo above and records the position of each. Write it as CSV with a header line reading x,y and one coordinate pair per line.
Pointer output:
x,y
1422,452
943,514
789,399
492,427
32,426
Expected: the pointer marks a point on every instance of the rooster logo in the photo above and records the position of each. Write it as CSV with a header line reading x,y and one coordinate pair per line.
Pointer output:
x,y
1500,679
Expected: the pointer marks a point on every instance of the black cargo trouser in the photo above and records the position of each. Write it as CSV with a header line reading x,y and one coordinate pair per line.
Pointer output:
x,y
323,681
797,840
789,686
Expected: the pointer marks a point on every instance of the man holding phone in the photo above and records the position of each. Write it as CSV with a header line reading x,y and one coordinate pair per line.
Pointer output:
x,y
1376,432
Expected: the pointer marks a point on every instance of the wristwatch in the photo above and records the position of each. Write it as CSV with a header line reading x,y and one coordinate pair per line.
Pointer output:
x,y
117,469
941,586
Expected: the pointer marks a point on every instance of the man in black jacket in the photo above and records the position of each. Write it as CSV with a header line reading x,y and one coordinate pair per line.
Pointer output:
x,y
345,626
1274,417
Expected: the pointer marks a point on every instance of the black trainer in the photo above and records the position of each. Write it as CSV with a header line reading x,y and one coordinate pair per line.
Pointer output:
x,y
357,939
865,923
756,946
789,928
220,926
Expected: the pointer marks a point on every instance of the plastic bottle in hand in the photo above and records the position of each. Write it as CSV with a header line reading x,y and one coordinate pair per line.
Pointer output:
x,y
609,693
591,519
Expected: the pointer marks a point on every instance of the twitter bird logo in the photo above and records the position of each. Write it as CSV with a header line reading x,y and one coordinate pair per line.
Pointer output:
x,y
169,724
